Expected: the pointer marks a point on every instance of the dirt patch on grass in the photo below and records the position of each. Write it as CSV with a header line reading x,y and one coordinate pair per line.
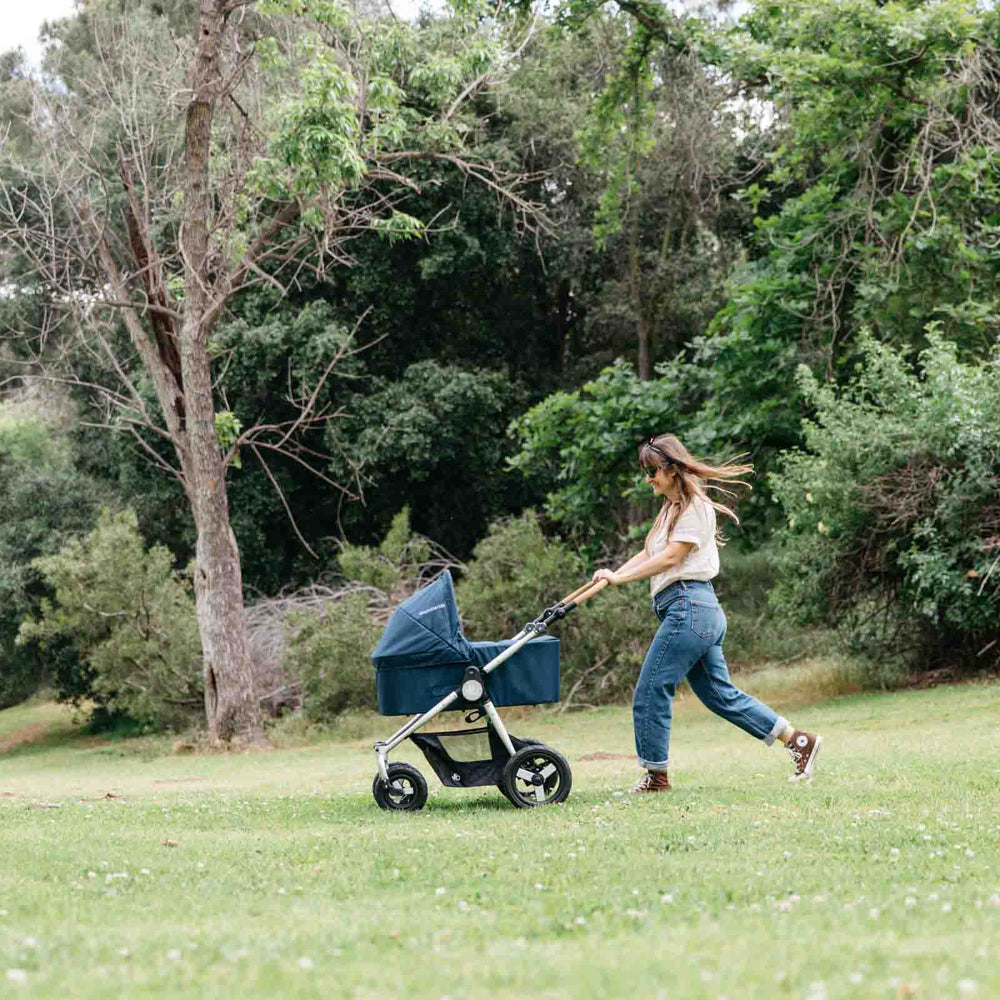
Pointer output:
x,y
601,755
30,734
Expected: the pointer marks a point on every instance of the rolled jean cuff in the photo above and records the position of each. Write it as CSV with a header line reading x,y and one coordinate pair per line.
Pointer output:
x,y
776,730
653,766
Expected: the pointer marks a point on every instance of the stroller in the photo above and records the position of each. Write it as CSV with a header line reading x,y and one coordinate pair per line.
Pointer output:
x,y
425,666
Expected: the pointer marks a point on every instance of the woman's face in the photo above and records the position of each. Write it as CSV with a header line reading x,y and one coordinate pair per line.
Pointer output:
x,y
660,480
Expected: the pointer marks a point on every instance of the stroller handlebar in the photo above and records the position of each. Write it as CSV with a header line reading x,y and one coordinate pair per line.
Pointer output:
x,y
568,603
589,591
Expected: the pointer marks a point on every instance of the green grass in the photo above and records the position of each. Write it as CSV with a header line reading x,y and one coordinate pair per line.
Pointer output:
x,y
128,871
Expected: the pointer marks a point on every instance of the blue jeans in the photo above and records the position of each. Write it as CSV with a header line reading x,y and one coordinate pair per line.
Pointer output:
x,y
688,644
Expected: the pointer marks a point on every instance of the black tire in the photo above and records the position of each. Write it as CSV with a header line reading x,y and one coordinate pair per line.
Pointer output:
x,y
406,791
536,776
503,791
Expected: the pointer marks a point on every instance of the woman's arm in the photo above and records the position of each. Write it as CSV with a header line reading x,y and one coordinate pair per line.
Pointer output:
x,y
637,560
641,566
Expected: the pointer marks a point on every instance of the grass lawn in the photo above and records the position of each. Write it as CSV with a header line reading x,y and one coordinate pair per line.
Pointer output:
x,y
129,871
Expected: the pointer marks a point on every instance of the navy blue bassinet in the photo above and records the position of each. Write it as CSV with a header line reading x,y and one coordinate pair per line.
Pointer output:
x,y
422,657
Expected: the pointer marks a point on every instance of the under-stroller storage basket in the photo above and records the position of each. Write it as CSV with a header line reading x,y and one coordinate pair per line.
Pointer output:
x,y
529,677
468,757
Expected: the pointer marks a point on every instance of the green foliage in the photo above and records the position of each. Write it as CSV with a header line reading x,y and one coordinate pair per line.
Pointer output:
x,y
434,439
397,559
45,499
330,654
130,617
884,167
893,527
583,446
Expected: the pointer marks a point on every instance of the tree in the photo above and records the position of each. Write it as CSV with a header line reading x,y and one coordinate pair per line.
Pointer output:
x,y
174,172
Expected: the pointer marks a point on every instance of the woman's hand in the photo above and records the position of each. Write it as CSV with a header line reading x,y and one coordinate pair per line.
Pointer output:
x,y
606,574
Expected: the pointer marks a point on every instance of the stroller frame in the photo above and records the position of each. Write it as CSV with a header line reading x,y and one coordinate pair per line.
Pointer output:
x,y
539,768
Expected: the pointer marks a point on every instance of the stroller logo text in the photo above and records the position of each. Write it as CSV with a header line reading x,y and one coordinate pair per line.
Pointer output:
x,y
427,611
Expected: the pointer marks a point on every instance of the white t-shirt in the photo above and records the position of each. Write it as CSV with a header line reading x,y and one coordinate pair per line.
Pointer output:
x,y
697,526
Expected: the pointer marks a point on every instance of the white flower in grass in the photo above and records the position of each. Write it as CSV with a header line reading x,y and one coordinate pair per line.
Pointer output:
x,y
909,901
946,907
17,976
894,854
854,978
580,920
874,913
305,962
440,890
666,898
174,954
967,987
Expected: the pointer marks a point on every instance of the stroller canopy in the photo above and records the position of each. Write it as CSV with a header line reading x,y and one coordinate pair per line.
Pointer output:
x,y
424,630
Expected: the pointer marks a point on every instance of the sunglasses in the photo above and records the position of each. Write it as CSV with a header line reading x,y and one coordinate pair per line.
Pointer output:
x,y
649,473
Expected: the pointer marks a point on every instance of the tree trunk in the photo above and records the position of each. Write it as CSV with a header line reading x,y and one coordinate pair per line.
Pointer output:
x,y
231,705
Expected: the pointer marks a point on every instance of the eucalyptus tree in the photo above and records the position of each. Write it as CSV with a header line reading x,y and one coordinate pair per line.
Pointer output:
x,y
173,171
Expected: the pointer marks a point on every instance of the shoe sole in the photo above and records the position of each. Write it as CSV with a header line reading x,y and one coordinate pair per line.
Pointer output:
x,y
807,771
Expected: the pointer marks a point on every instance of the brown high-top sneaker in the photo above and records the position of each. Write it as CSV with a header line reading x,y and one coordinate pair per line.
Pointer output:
x,y
652,781
803,747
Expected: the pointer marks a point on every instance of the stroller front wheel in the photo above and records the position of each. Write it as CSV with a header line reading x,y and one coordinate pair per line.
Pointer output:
x,y
406,791
536,776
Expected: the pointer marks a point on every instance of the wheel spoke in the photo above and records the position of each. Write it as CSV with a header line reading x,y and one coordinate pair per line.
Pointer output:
x,y
539,793
525,775
547,772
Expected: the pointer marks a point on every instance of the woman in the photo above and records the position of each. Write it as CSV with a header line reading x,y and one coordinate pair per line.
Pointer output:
x,y
680,558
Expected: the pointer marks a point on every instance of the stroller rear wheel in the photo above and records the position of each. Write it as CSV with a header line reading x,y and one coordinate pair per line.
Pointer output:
x,y
406,791
536,776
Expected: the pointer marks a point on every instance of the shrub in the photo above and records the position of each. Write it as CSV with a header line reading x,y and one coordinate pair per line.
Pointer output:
x,y
329,634
130,617
399,557
893,529
330,655
45,499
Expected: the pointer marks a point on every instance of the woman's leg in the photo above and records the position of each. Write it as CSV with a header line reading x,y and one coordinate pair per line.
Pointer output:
x,y
676,648
710,681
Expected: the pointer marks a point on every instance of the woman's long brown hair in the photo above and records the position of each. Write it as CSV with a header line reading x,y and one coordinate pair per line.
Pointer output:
x,y
694,478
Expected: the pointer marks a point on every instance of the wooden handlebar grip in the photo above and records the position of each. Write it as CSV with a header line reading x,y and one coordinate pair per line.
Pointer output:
x,y
595,588
576,593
